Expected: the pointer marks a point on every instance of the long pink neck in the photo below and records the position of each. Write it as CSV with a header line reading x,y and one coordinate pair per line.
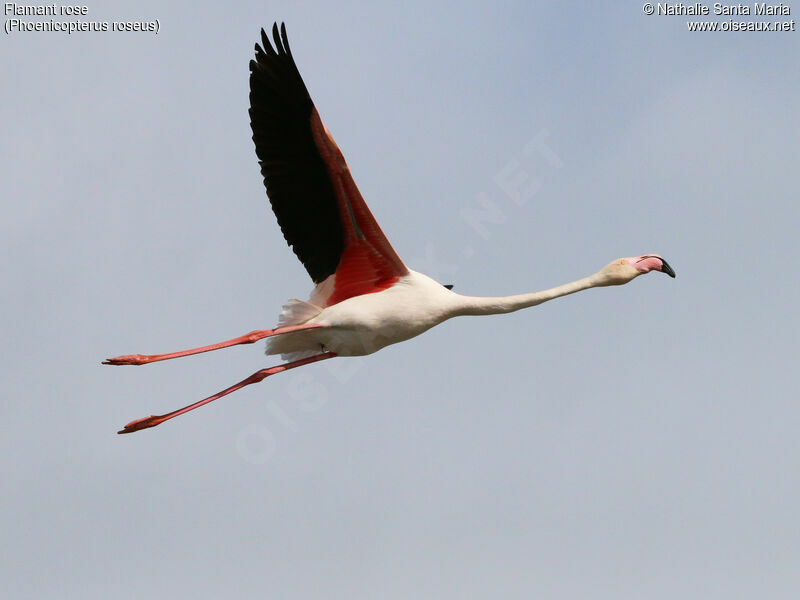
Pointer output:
x,y
475,305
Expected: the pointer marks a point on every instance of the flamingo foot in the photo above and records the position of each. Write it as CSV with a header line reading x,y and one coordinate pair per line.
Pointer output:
x,y
128,359
144,423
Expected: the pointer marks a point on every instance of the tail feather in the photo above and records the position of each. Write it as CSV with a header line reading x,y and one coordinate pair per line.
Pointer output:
x,y
298,345
297,312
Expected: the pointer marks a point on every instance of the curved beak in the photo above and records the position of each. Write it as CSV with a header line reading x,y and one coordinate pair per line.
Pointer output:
x,y
665,268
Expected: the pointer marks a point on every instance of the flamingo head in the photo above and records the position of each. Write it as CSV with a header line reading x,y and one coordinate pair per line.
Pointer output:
x,y
623,270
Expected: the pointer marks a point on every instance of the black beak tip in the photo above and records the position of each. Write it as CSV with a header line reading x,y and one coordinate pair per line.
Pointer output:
x,y
665,268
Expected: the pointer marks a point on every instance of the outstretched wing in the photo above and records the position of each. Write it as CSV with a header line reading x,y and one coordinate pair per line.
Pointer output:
x,y
318,206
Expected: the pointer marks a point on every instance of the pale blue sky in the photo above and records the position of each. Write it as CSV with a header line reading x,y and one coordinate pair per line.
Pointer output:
x,y
636,442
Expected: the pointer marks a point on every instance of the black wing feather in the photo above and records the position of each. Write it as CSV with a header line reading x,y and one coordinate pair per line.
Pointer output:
x,y
296,178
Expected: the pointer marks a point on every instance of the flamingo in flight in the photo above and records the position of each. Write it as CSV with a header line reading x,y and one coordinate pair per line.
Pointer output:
x,y
365,297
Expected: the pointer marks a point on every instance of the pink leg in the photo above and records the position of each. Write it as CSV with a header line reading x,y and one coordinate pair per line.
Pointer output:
x,y
154,420
248,338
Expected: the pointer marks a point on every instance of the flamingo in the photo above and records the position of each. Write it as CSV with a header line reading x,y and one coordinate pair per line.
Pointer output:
x,y
365,297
